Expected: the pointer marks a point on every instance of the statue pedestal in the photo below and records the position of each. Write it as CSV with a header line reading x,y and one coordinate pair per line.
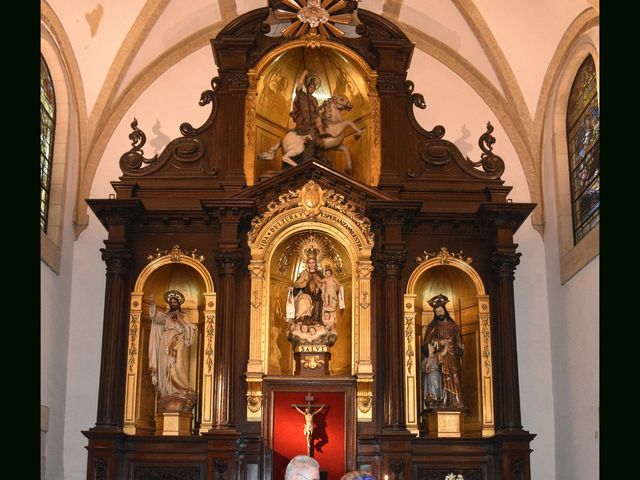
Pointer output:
x,y
173,423
312,360
443,423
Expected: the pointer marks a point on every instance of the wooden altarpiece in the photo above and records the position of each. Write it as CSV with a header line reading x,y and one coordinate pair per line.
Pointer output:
x,y
413,217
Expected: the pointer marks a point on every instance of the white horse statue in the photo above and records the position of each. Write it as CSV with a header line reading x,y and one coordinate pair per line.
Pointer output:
x,y
333,125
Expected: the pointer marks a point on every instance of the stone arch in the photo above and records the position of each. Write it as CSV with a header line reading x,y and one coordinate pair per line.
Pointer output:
x,y
134,368
411,364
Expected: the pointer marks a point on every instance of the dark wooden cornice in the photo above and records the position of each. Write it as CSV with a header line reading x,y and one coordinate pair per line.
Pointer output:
x,y
508,214
111,211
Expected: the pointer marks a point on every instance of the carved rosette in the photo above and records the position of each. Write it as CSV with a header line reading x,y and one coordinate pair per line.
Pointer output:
x,y
365,398
254,397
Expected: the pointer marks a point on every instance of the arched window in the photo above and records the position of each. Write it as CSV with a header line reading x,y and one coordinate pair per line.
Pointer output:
x,y
47,127
583,138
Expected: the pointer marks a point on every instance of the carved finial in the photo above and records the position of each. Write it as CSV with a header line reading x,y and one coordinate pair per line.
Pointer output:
x,y
491,163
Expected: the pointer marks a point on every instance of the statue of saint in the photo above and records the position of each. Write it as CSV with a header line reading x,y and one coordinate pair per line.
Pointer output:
x,y
332,299
442,350
307,294
171,335
306,111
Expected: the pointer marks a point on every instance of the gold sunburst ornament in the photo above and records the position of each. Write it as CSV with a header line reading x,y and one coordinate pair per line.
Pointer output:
x,y
314,17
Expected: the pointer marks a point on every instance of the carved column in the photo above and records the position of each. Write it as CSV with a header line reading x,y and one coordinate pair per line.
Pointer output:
x,y
229,263
504,263
391,217
112,362
390,263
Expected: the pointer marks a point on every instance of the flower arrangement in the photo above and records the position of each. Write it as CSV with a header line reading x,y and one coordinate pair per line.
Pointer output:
x,y
453,476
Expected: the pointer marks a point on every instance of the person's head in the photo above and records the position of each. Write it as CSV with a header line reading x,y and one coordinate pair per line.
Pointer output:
x,y
357,475
302,467
174,304
311,84
327,271
311,264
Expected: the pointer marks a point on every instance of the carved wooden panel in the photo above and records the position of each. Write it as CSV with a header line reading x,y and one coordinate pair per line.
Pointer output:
x,y
144,472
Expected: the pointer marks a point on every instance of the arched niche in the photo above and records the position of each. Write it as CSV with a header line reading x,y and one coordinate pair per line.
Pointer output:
x,y
468,304
272,85
327,215
287,261
171,271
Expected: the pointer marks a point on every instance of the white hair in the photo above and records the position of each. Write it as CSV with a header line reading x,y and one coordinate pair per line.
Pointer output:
x,y
297,462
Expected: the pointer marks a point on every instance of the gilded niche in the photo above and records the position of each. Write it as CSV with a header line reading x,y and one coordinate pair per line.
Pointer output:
x,y
310,287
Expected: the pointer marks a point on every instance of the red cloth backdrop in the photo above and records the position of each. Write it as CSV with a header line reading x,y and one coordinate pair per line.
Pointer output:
x,y
329,440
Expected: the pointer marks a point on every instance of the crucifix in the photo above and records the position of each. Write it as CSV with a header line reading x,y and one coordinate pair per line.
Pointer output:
x,y
308,418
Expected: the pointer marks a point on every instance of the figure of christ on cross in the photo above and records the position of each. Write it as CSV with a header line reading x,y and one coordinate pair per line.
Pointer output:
x,y
307,411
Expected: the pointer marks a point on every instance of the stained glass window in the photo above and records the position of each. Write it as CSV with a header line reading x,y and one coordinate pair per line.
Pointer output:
x,y
583,137
47,125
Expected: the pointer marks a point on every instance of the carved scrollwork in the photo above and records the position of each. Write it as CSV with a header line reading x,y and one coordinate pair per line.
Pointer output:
x,y
133,341
184,150
175,253
312,200
207,97
312,362
492,165
285,201
208,352
417,100
221,467
134,159
445,256
338,202
408,333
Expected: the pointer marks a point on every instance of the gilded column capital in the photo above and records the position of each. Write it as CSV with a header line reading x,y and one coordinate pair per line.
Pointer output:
x,y
116,259
256,269
364,270
229,262
504,265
